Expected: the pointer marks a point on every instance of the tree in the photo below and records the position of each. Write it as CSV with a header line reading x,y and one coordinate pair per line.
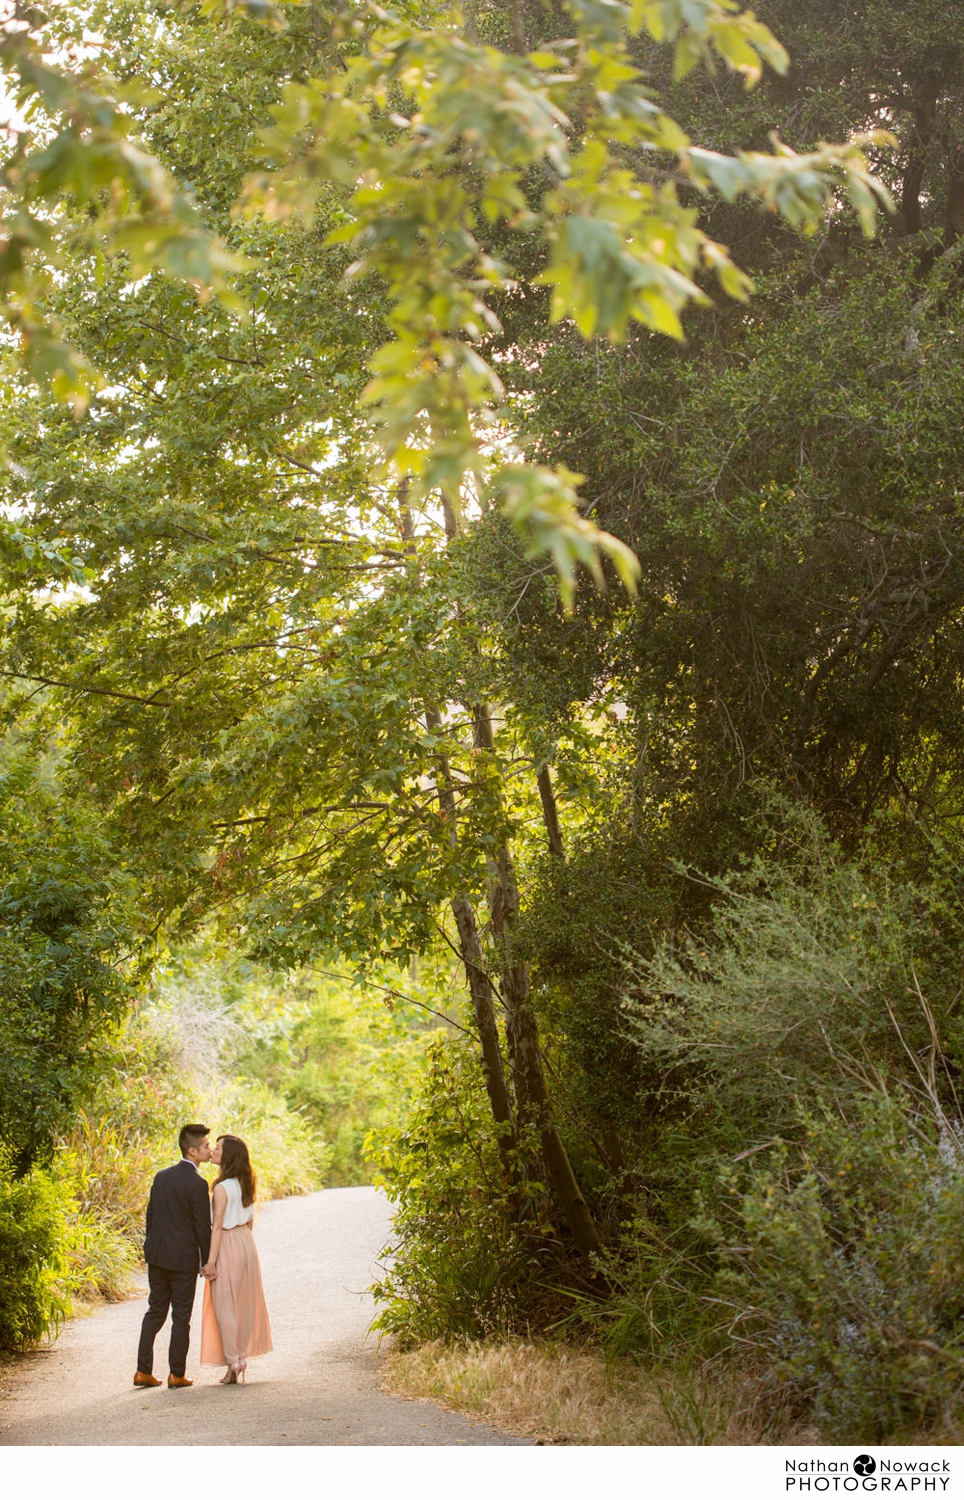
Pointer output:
x,y
787,480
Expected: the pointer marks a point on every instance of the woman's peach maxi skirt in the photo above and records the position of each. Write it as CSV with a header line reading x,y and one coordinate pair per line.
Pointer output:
x,y
234,1324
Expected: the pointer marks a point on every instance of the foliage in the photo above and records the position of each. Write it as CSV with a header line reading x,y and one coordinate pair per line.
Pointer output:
x,y
460,1263
99,1262
70,146
811,968
848,1275
194,1026
794,493
66,969
31,1227
289,1158
67,925
550,141
793,1022
557,139
346,1052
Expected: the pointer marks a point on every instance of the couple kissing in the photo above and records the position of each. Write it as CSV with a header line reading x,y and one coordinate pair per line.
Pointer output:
x,y
190,1235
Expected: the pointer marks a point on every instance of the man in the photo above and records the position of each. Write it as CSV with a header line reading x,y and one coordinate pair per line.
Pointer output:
x,y
177,1247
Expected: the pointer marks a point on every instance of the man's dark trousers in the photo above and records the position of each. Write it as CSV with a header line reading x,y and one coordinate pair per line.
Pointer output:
x,y
172,1290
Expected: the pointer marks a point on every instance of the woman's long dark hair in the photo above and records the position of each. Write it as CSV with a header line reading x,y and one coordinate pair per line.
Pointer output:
x,y
235,1162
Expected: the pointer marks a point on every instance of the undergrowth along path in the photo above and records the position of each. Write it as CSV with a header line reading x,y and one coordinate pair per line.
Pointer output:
x,y
319,1255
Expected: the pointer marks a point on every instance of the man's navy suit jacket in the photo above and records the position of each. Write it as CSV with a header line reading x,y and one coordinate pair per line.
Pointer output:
x,y
178,1219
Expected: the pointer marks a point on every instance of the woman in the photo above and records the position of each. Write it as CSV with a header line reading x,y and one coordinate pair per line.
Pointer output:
x,y
235,1325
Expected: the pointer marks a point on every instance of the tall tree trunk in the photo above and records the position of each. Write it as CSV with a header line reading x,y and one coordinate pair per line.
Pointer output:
x,y
480,989
921,139
522,1032
470,946
528,1073
608,1147
550,813
480,985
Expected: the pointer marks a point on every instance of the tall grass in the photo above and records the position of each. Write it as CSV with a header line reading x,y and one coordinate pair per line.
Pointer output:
x,y
560,1395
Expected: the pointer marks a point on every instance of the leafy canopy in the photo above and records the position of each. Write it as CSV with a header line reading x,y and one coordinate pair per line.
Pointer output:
x,y
440,134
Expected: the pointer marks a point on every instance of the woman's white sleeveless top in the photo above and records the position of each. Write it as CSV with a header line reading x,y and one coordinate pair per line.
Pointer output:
x,y
235,1213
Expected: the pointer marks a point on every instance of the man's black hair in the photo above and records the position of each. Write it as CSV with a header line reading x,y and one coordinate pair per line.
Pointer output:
x,y
191,1135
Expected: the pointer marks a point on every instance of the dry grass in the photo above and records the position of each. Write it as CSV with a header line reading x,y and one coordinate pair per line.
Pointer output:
x,y
559,1395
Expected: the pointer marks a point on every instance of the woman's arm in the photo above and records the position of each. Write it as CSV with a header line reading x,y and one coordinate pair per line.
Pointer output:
x,y
220,1208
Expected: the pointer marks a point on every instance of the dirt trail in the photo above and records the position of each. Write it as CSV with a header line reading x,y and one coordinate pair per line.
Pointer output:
x,y
318,1255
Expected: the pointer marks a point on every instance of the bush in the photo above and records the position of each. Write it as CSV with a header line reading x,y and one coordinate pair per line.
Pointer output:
x,y
837,1264
849,1272
104,1165
67,923
793,986
32,1295
460,1265
107,1162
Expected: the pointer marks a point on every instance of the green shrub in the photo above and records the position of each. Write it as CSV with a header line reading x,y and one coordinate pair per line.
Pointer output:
x,y
658,1302
103,1176
792,988
460,1265
67,921
848,1270
824,1245
32,1295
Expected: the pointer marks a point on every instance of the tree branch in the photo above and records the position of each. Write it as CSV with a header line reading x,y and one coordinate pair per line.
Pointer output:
x,y
76,687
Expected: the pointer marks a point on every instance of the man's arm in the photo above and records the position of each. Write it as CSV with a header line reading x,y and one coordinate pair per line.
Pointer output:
x,y
201,1208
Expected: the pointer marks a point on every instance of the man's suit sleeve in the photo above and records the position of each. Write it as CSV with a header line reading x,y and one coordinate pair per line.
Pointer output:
x,y
200,1203
150,1206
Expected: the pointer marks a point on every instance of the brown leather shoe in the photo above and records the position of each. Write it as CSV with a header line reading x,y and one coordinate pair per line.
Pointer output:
x,y
142,1378
176,1381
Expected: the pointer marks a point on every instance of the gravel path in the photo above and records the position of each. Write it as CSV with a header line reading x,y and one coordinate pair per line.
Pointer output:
x,y
319,1255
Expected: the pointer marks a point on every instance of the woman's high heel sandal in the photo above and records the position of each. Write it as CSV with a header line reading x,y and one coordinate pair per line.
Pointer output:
x,y
242,1367
230,1376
